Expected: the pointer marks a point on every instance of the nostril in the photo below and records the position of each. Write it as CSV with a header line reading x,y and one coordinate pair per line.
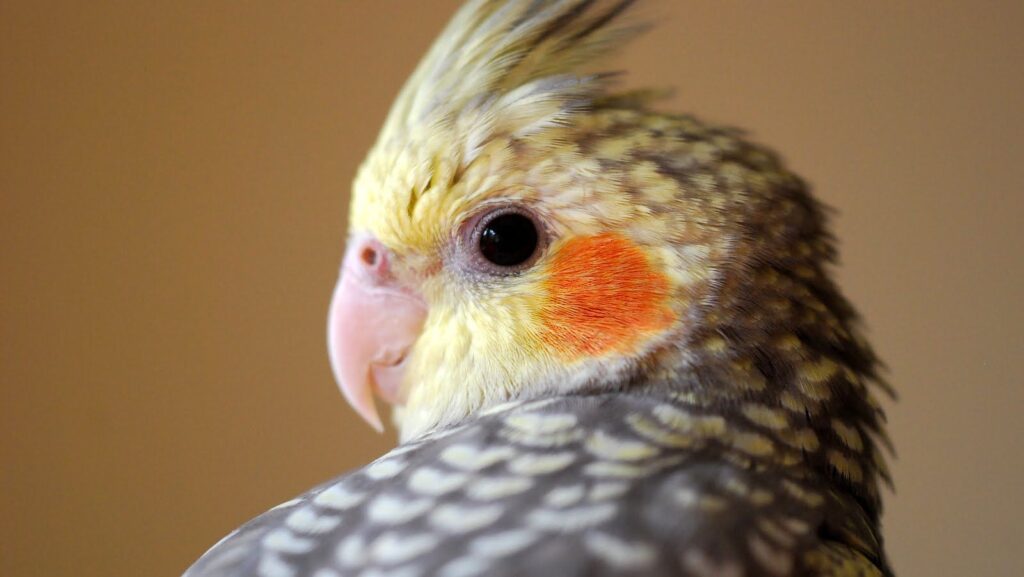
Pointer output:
x,y
369,256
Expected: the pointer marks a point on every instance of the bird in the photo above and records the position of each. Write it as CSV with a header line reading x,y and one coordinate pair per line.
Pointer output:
x,y
610,336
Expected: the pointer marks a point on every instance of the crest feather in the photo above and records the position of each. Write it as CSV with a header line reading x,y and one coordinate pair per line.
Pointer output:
x,y
507,67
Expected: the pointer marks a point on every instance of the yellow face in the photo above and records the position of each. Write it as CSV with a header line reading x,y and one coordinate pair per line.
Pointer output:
x,y
539,272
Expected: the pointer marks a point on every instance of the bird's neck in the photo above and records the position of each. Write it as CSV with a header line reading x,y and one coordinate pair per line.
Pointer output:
x,y
779,352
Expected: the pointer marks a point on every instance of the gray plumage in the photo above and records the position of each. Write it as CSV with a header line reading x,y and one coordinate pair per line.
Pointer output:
x,y
556,487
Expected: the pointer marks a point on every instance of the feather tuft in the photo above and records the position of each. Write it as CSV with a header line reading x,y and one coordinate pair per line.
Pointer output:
x,y
509,68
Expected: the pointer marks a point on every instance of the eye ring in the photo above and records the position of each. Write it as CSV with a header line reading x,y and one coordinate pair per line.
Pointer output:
x,y
505,240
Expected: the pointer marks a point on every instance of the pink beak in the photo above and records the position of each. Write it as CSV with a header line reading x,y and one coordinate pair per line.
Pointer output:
x,y
372,324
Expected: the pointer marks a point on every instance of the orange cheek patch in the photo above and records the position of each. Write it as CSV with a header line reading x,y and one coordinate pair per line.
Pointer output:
x,y
602,296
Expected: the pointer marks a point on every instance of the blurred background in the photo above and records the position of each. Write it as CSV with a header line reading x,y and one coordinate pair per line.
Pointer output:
x,y
173,186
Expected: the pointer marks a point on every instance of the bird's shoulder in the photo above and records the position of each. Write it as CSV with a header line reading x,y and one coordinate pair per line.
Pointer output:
x,y
578,485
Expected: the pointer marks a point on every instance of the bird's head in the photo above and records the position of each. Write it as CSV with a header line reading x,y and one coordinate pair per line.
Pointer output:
x,y
518,231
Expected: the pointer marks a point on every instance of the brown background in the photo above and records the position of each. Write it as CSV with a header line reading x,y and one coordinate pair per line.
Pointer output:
x,y
174,179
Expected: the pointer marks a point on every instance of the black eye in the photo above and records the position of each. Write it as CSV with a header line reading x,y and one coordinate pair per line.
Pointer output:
x,y
508,239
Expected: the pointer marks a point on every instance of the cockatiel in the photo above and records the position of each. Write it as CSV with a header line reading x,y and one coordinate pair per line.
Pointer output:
x,y
609,333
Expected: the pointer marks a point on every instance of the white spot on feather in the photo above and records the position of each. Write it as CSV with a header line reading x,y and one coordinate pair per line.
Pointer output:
x,y
564,496
338,497
619,553
306,520
487,489
610,469
390,548
504,543
608,447
384,469
462,519
285,541
431,481
542,440
394,510
469,458
541,463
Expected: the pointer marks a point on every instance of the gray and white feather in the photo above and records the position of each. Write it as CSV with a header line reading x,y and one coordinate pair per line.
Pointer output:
x,y
555,487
